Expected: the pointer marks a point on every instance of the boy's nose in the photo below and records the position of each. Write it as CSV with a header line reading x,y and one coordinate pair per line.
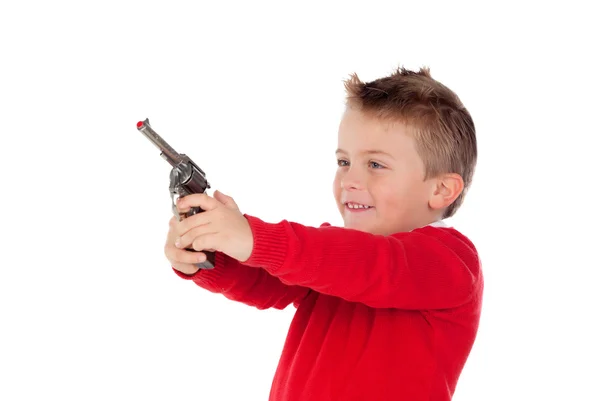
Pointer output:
x,y
352,180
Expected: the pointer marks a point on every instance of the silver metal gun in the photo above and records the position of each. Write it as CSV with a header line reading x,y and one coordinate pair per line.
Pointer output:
x,y
185,178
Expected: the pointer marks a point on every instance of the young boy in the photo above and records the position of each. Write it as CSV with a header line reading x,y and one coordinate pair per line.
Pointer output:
x,y
388,306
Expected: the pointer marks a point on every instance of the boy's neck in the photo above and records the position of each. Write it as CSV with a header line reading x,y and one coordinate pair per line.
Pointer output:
x,y
436,220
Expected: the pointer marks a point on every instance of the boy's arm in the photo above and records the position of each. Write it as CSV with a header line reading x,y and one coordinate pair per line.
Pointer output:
x,y
254,287
428,268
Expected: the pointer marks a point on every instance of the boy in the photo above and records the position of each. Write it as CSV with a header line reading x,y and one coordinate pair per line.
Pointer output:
x,y
388,306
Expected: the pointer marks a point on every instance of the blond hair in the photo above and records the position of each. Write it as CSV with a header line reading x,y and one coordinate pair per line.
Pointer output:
x,y
443,129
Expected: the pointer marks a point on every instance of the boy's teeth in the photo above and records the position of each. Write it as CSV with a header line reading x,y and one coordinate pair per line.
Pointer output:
x,y
357,206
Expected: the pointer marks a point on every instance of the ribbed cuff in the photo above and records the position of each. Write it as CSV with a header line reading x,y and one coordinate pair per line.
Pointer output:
x,y
270,244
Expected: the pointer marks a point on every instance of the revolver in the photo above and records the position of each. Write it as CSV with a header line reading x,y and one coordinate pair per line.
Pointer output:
x,y
185,178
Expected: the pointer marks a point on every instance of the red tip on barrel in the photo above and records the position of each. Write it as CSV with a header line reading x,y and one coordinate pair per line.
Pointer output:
x,y
140,124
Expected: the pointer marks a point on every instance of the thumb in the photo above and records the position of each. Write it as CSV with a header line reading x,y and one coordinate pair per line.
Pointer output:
x,y
226,200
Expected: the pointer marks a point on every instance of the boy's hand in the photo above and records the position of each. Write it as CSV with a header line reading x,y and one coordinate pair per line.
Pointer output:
x,y
181,259
221,227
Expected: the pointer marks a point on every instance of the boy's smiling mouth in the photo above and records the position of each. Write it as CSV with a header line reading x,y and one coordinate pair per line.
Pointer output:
x,y
357,207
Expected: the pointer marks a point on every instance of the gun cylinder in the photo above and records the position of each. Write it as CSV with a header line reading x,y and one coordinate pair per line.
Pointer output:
x,y
168,153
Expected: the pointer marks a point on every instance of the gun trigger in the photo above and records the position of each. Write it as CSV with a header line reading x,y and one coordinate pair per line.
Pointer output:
x,y
174,207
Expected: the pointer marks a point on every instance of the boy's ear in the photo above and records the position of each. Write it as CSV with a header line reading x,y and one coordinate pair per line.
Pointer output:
x,y
446,189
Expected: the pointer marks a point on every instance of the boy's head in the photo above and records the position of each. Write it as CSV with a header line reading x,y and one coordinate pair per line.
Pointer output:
x,y
406,153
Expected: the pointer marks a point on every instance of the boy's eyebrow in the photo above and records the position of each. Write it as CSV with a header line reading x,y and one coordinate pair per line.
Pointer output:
x,y
368,152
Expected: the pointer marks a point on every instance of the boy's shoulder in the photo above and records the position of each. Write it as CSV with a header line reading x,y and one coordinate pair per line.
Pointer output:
x,y
442,230
452,239
450,233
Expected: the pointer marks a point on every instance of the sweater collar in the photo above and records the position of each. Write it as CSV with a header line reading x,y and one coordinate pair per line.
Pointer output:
x,y
438,223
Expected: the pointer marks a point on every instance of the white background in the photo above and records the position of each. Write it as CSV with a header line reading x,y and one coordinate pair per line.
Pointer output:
x,y
252,91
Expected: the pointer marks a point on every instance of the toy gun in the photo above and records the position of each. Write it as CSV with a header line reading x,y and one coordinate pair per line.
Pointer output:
x,y
186,178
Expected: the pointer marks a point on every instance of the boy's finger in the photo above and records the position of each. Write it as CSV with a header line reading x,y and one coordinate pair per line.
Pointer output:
x,y
186,239
183,256
191,257
190,223
204,242
226,200
204,201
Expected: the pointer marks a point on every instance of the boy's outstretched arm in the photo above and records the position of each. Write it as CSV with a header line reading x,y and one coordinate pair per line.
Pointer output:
x,y
428,268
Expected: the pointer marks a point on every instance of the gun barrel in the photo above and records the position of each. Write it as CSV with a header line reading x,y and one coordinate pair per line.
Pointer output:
x,y
167,151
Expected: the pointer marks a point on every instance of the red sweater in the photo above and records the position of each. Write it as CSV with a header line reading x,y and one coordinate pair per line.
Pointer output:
x,y
378,317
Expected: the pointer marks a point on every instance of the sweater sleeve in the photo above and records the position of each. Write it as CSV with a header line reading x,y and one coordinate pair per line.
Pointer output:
x,y
253,287
427,268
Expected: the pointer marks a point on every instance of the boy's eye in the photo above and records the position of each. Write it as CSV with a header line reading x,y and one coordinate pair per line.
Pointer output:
x,y
342,162
375,165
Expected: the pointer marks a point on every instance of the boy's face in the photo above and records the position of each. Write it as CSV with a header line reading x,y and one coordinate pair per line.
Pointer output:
x,y
379,167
